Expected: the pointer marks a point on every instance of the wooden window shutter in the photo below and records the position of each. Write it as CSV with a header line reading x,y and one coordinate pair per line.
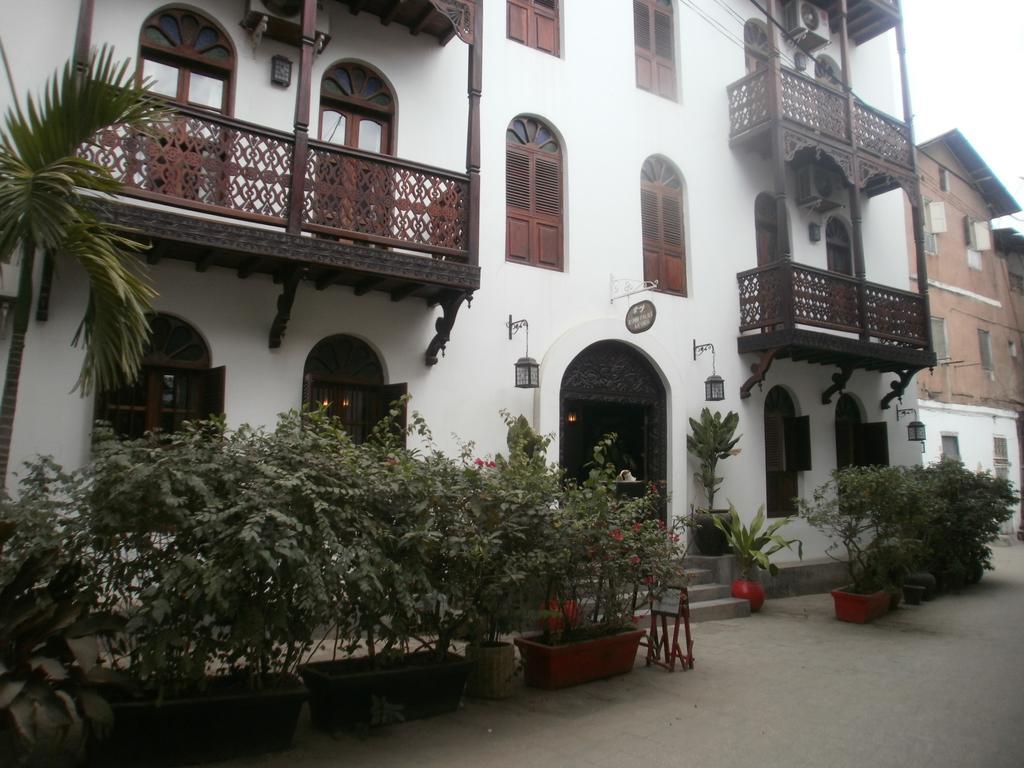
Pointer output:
x,y
533,187
774,443
797,437
654,41
661,214
213,392
534,23
846,443
873,444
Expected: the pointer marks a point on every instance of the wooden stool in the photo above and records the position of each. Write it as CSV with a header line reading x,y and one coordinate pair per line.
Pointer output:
x,y
662,650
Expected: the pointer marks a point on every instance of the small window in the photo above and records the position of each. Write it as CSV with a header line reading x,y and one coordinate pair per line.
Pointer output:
x,y
951,447
1000,457
175,384
985,349
533,194
654,41
661,213
943,180
187,58
939,338
837,243
755,45
931,244
534,23
357,108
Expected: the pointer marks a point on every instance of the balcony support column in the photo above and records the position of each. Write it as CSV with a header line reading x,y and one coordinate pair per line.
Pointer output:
x,y
916,199
297,195
475,89
784,250
83,34
856,218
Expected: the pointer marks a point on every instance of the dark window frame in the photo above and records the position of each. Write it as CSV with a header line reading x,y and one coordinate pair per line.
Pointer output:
x,y
534,194
663,225
535,24
654,43
356,107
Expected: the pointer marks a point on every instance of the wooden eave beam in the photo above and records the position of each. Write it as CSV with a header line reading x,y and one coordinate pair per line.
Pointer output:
x,y
248,266
366,285
284,307
356,6
421,22
203,262
388,16
404,292
327,279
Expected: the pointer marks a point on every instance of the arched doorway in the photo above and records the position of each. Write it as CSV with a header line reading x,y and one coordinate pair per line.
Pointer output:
x,y
343,375
787,451
859,444
612,387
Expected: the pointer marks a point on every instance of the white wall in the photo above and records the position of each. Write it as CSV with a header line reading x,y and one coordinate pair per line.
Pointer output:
x,y
608,128
974,427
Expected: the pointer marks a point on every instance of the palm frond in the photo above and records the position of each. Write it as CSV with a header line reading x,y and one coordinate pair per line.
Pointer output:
x,y
114,331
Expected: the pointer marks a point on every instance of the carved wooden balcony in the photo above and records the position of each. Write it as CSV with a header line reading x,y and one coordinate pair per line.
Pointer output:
x,y
804,313
366,221
815,116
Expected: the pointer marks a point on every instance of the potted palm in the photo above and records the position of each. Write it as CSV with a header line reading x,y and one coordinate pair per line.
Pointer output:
x,y
602,550
753,547
711,439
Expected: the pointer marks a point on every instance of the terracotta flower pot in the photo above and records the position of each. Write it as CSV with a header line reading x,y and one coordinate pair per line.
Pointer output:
x,y
752,591
860,609
559,666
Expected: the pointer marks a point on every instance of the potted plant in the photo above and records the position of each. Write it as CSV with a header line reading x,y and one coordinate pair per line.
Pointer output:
x,y
403,595
753,548
221,549
603,553
863,509
711,439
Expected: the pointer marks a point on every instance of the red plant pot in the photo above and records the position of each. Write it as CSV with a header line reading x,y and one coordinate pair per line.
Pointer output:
x,y
753,591
559,666
860,609
569,608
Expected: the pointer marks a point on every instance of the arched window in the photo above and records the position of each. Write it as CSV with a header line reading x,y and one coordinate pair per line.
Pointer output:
x,y
859,444
766,229
787,450
654,42
176,383
533,194
837,246
188,58
661,213
755,44
827,71
344,375
357,108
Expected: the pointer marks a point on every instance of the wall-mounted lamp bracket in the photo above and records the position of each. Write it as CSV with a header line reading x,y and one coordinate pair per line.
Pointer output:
x,y
622,287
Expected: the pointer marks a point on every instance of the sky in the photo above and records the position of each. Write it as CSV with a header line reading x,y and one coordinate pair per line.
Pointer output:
x,y
966,61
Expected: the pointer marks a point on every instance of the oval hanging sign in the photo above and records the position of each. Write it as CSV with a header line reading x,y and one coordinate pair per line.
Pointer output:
x,y
640,316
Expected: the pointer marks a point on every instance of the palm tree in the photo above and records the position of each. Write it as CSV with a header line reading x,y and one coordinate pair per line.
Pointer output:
x,y
45,195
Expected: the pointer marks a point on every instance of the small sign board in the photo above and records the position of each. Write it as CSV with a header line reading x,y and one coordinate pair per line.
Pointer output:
x,y
640,316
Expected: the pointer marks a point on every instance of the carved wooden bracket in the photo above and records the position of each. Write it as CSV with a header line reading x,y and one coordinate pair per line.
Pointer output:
x,y
284,307
899,386
460,13
758,371
838,384
443,325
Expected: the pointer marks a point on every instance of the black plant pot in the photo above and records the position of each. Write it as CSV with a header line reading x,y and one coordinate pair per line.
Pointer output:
x,y
923,579
347,694
710,541
913,593
218,725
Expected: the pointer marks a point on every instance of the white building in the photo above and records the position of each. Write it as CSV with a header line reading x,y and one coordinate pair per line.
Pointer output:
x,y
611,143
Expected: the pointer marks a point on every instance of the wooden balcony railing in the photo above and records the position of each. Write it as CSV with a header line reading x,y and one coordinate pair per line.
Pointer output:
x,y
785,295
223,166
820,110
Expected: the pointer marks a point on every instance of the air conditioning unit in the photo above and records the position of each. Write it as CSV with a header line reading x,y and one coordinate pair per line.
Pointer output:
x,y
815,186
282,20
807,24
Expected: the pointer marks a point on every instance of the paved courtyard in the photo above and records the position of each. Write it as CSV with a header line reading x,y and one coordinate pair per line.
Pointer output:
x,y
931,686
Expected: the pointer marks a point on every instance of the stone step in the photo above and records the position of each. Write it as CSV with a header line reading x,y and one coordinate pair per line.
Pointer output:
x,y
722,608
700,593
699,576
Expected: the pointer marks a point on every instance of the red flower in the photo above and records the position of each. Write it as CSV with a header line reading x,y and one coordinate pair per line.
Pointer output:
x,y
661,524
617,534
635,559
478,462
638,526
673,537
492,464
648,579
